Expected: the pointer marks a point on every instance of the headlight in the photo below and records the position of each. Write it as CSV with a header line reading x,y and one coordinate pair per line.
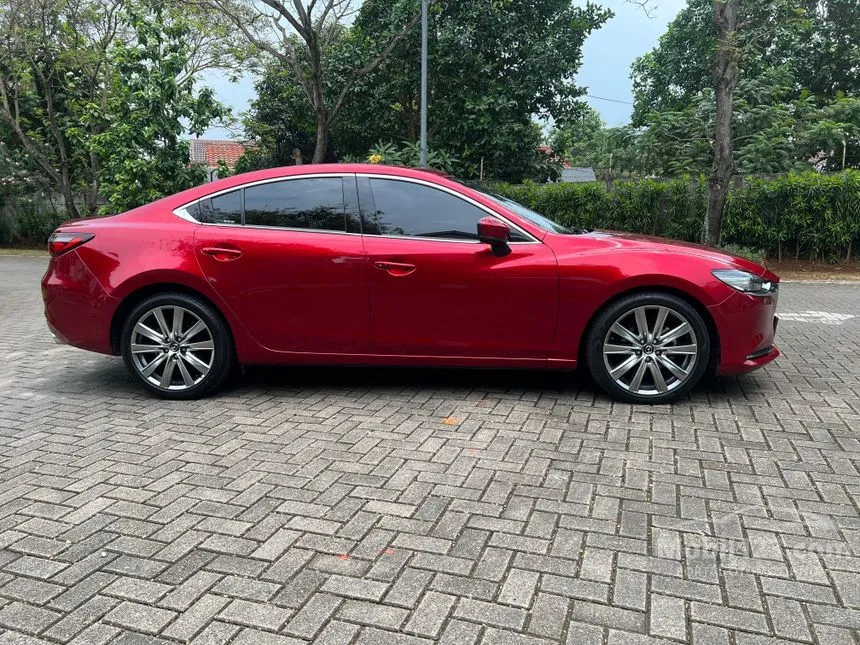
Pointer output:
x,y
746,282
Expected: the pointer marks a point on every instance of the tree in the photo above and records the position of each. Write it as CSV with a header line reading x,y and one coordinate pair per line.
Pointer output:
x,y
724,75
495,67
301,36
141,142
55,69
817,39
52,64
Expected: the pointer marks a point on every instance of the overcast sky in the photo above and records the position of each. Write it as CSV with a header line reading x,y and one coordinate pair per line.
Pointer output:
x,y
605,68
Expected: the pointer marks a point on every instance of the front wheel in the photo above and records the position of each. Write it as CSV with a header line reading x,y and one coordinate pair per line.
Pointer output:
x,y
177,346
648,348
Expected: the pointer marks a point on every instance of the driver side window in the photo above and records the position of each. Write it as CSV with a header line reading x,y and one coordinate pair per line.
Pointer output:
x,y
415,210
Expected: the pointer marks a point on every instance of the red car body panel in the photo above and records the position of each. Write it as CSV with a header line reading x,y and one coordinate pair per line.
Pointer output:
x,y
304,297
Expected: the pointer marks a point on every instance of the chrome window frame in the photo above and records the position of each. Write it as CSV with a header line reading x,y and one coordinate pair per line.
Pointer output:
x,y
412,180
182,211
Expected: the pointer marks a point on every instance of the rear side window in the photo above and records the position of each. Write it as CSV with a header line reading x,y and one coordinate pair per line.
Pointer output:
x,y
223,209
316,203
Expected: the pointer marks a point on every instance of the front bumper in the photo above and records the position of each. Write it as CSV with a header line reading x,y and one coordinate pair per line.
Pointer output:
x,y
746,326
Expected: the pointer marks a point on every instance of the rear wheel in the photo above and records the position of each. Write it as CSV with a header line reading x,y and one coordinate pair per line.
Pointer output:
x,y
648,348
178,346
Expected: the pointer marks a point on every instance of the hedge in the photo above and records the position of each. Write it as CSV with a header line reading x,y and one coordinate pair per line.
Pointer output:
x,y
808,216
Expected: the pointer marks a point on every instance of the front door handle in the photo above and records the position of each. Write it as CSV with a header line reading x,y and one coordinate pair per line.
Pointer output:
x,y
397,269
221,253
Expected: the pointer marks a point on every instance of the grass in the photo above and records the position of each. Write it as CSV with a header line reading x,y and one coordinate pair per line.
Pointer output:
x,y
33,253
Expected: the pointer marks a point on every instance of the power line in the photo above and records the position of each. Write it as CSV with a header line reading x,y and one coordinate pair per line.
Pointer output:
x,y
603,98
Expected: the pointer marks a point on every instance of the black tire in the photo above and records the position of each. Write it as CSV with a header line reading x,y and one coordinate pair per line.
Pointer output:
x,y
221,358
622,310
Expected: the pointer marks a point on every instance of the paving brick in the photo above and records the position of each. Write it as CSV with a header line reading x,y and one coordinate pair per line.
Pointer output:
x,y
254,614
137,617
430,615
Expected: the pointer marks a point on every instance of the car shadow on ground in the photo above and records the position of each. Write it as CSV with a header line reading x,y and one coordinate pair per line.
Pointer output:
x,y
109,377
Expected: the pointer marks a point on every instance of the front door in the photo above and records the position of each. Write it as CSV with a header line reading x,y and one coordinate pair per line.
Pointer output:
x,y
436,291
287,258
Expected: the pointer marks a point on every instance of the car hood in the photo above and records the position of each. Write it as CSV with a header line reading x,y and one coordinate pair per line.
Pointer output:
x,y
614,240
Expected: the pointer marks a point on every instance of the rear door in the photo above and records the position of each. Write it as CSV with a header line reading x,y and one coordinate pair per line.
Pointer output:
x,y
288,259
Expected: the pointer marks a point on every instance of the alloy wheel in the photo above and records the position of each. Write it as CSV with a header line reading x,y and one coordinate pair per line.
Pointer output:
x,y
172,348
650,350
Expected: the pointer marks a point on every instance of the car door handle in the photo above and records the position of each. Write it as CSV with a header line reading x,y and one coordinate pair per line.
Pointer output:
x,y
397,269
224,254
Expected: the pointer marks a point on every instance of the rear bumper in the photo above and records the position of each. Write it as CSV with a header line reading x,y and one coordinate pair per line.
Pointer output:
x,y
77,308
747,326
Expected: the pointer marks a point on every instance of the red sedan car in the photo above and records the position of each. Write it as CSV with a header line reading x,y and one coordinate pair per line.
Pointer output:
x,y
363,264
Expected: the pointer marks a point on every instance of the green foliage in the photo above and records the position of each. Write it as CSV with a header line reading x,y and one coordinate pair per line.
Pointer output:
x,y
142,148
408,154
495,66
30,222
756,255
816,39
810,215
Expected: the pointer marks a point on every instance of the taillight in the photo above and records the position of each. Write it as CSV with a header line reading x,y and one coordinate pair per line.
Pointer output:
x,y
60,243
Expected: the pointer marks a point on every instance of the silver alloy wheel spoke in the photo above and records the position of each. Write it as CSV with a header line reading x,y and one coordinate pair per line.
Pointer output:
x,y
657,375
195,362
173,359
644,360
636,383
154,365
149,333
625,333
642,324
167,374
203,344
195,329
687,350
143,348
162,323
662,314
625,367
178,315
676,333
186,375
676,370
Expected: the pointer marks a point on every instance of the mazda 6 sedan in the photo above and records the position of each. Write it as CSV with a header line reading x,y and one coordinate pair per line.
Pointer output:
x,y
374,265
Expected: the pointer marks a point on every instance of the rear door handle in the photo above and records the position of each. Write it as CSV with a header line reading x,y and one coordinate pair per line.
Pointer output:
x,y
224,254
397,269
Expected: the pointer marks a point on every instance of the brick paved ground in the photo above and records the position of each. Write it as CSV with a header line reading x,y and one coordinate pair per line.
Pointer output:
x,y
356,506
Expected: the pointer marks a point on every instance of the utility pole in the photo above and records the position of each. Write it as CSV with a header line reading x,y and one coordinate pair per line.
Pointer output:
x,y
424,28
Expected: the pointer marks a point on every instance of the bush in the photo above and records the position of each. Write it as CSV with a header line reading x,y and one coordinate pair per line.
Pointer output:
x,y
809,215
30,222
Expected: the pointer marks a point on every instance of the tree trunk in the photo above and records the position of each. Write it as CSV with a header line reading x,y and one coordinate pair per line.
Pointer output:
x,y
724,73
68,196
322,139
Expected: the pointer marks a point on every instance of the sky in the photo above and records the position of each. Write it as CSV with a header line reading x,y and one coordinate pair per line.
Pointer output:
x,y
605,71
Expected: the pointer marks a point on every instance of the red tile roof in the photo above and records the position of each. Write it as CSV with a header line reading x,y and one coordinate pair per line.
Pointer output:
x,y
210,151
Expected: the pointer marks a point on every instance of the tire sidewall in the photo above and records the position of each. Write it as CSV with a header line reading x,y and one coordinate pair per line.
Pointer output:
x,y
607,317
224,352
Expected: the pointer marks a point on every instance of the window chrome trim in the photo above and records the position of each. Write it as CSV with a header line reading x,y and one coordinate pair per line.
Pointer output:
x,y
453,193
182,211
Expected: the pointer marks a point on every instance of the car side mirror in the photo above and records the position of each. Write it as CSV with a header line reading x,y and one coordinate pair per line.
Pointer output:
x,y
495,233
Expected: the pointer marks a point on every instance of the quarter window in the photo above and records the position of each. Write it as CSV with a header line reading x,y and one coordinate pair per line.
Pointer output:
x,y
314,203
415,210
223,209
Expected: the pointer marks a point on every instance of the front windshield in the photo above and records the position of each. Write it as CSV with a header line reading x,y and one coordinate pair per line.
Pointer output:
x,y
535,218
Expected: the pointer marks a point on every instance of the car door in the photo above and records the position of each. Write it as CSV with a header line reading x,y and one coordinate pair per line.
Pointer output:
x,y
435,290
287,257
